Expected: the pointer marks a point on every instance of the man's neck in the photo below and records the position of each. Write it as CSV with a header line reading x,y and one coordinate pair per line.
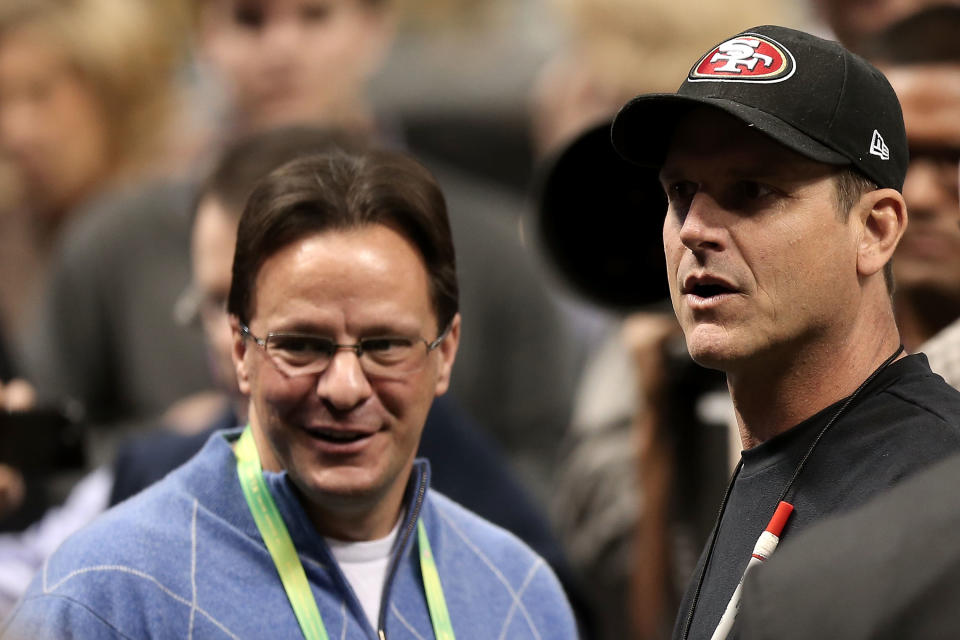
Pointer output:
x,y
351,524
771,399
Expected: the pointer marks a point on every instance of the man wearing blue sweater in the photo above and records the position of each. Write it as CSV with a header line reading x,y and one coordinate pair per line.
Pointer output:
x,y
314,520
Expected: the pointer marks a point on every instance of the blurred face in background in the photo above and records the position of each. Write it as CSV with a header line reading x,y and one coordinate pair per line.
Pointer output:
x,y
927,260
52,126
214,237
295,61
852,20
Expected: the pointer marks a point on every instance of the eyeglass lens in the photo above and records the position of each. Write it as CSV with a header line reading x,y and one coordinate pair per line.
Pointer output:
x,y
299,354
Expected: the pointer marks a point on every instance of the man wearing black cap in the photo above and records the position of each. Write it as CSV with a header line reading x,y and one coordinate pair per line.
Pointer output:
x,y
782,156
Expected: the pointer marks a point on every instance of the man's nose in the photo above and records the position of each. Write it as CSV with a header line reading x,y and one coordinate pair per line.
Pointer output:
x,y
343,384
701,228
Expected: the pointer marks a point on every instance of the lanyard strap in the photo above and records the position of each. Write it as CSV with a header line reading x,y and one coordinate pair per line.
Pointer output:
x,y
277,538
439,615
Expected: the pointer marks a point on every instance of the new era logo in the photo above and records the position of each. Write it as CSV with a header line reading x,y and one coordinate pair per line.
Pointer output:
x,y
878,147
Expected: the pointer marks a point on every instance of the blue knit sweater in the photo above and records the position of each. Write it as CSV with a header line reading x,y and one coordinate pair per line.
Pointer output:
x,y
184,559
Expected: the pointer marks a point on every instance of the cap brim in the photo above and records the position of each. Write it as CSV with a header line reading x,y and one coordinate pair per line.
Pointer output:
x,y
600,222
643,128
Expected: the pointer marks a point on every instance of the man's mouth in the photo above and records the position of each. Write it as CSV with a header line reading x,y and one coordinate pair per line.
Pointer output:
x,y
707,287
337,436
710,290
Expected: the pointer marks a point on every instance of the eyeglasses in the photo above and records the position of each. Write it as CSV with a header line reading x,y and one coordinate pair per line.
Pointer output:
x,y
299,354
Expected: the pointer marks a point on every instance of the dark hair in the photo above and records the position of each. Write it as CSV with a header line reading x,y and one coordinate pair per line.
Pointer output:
x,y
851,185
340,190
248,159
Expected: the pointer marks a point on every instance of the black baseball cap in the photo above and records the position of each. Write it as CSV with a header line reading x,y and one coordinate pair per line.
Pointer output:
x,y
809,94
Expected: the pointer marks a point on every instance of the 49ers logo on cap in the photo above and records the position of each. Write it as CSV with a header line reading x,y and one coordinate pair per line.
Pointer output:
x,y
747,58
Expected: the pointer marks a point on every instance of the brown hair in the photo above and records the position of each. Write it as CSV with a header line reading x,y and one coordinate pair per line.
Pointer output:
x,y
851,186
342,190
249,158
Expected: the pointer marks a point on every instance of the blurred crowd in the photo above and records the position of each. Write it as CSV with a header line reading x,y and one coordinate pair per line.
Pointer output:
x,y
123,130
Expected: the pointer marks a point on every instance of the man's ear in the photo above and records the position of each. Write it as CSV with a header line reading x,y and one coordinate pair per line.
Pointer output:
x,y
448,353
238,351
883,215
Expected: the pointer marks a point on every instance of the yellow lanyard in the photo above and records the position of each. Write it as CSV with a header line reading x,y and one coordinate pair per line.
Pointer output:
x,y
277,538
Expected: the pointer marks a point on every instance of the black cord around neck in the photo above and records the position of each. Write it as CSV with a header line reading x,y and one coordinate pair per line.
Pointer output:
x,y
803,462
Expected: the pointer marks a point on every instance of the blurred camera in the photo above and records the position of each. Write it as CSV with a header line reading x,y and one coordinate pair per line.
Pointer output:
x,y
41,440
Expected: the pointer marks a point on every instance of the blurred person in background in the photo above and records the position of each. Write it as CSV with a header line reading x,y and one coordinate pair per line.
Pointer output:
x,y
921,57
88,98
295,61
854,21
613,47
86,102
645,455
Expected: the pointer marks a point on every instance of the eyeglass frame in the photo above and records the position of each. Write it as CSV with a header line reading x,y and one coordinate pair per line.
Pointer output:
x,y
357,348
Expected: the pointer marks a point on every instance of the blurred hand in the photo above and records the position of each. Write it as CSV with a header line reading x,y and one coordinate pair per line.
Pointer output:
x,y
12,490
17,395
648,336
